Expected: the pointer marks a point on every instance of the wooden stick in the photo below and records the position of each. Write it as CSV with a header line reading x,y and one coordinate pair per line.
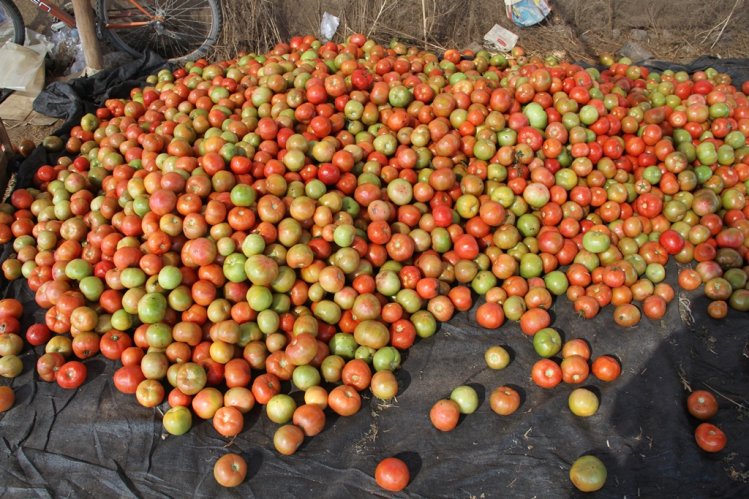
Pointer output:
x,y
86,25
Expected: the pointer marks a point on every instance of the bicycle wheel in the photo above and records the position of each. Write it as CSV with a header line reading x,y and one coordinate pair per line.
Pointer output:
x,y
11,24
174,29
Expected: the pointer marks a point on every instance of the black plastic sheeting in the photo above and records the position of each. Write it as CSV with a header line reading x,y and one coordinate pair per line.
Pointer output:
x,y
737,68
71,100
95,441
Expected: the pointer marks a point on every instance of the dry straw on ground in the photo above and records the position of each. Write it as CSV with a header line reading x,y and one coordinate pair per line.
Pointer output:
x,y
677,30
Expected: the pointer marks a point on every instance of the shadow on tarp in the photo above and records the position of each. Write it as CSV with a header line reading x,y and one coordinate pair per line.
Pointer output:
x,y
95,441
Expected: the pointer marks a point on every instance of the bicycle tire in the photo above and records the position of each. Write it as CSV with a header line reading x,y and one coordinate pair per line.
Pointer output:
x,y
186,30
14,15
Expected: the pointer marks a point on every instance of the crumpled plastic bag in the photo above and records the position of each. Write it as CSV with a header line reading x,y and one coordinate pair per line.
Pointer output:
x,y
526,13
23,65
328,26
500,38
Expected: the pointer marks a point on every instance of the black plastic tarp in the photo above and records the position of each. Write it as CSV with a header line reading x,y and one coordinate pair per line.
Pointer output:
x,y
98,442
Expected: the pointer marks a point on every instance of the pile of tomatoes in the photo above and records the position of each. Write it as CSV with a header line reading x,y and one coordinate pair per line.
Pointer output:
x,y
305,215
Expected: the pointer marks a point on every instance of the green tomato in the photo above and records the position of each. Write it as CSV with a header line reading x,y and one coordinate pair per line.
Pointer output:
x,y
170,277
177,420
466,398
547,342
343,235
556,282
305,377
386,359
536,115
343,345
596,242
91,287
233,268
152,308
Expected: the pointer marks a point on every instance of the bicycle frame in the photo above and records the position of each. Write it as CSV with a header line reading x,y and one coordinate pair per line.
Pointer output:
x,y
63,16
54,11
134,24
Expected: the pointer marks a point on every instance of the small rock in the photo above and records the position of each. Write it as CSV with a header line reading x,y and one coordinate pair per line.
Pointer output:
x,y
635,51
638,34
616,33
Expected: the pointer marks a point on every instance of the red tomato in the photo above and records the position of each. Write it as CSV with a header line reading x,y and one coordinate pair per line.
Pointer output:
x,y
445,414
402,334
71,375
702,404
38,334
230,470
228,421
546,373
392,474
466,247
344,400
710,438
606,368
574,369
490,315
672,241
127,378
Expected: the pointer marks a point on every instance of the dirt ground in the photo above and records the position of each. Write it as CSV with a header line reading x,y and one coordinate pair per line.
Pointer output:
x,y
18,131
673,30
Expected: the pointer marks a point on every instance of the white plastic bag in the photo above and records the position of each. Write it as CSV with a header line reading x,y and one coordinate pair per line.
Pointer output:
x,y
500,38
23,69
23,66
328,26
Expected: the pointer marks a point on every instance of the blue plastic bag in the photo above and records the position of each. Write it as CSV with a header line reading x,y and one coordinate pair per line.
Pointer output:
x,y
526,13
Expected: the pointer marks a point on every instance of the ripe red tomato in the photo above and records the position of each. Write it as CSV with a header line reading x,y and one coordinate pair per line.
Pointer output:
x,y
606,368
504,400
576,346
71,375
392,474
445,414
466,247
710,438
38,334
402,334
7,398
10,307
228,421
490,315
230,470
127,378
702,404
648,205
310,418
574,369
672,241
534,320
546,373
344,400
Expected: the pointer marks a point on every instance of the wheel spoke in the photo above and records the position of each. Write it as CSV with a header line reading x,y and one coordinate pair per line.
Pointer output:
x,y
182,28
